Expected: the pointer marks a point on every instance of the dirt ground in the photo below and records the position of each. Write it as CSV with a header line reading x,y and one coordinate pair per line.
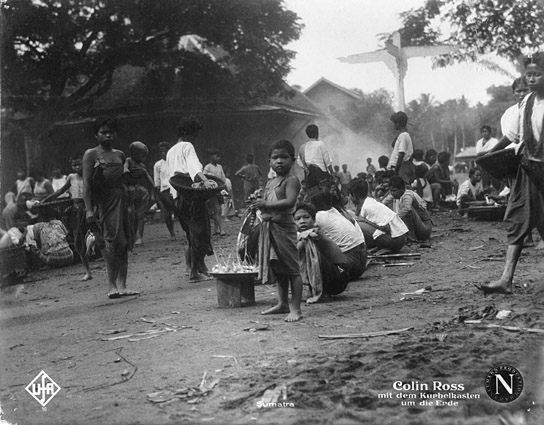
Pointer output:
x,y
206,365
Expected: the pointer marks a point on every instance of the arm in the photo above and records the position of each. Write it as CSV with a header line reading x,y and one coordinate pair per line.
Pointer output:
x,y
405,205
157,175
505,141
292,188
386,228
49,187
87,165
399,162
240,172
59,192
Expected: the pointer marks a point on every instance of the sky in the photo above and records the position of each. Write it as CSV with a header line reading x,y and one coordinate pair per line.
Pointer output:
x,y
336,28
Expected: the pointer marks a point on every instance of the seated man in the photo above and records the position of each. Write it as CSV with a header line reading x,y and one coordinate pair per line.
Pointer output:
x,y
470,190
381,226
411,209
322,262
439,178
346,235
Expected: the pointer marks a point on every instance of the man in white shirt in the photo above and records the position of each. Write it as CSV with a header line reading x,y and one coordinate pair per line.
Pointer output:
x,y
162,186
520,90
182,158
348,236
403,148
381,226
314,159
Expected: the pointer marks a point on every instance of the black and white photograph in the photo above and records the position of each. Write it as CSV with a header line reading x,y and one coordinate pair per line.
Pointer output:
x,y
285,212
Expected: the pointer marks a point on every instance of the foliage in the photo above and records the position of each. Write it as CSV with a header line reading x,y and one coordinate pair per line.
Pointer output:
x,y
63,50
59,55
506,28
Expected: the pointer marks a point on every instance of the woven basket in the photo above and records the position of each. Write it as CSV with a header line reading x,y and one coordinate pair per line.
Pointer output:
x,y
182,183
502,164
12,259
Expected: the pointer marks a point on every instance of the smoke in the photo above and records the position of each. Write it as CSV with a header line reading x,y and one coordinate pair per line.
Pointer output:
x,y
353,149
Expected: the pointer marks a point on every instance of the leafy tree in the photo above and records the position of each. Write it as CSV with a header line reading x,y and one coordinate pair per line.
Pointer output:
x,y
57,54
507,28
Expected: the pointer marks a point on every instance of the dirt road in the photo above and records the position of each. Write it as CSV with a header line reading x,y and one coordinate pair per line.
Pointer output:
x,y
171,356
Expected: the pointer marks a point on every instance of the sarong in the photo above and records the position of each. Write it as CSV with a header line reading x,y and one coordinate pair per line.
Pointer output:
x,y
525,208
115,225
278,254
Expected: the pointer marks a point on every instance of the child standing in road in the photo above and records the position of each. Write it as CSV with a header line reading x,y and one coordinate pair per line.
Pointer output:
x,y
278,238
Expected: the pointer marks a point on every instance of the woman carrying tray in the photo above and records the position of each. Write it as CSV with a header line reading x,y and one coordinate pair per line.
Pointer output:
x,y
526,202
182,159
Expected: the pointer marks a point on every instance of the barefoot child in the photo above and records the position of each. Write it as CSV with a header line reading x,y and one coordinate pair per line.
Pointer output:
x,y
140,186
278,239
77,222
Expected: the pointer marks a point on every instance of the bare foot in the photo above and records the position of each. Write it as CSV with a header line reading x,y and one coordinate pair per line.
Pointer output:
x,y
277,309
497,287
87,276
128,293
113,293
138,241
199,277
294,316
540,245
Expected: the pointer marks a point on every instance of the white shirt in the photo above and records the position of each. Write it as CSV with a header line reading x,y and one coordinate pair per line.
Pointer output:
x,y
57,183
511,115
182,158
515,132
160,175
466,188
483,146
337,227
378,213
215,170
314,152
402,144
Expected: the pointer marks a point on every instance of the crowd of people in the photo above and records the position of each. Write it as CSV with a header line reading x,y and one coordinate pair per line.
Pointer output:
x,y
316,231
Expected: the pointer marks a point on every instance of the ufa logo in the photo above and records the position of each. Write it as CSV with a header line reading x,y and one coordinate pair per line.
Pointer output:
x,y
43,388
504,384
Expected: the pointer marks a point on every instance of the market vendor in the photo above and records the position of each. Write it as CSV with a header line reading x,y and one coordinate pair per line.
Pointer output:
x,y
182,159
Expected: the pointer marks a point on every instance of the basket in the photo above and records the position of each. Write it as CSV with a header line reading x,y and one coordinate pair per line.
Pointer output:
x,y
11,259
502,164
487,212
182,183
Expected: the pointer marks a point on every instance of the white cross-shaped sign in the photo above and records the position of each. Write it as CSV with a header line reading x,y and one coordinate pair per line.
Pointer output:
x,y
395,56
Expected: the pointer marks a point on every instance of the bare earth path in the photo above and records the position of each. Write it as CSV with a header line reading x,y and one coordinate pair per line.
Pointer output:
x,y
187,361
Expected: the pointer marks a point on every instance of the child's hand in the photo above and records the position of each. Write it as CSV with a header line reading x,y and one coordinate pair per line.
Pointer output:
x,y
258,203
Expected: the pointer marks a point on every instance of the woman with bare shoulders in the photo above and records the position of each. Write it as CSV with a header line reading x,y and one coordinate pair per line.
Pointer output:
x,y
103,187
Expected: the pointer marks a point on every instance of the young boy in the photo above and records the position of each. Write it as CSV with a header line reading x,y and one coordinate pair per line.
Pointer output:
x,y
322,263
214,204
140,185
381,226
277,242
401,157
77,222
410,208
251,174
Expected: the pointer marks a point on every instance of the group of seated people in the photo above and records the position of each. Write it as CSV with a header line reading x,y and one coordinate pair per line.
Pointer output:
x,y
335,232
